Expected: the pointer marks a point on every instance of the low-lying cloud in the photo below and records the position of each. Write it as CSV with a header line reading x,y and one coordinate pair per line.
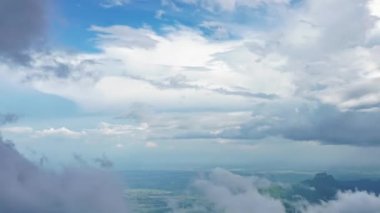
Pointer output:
x,y
348,202
232,193
26,188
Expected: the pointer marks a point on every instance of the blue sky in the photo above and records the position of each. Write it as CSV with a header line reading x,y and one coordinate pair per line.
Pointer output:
x,y
183,84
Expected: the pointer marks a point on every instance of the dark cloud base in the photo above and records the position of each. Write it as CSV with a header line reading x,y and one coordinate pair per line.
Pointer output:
x,y
311,122
22,26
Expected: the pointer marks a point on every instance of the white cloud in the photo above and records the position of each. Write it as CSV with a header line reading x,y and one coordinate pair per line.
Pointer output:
x,y
62,131
374,7
122,129
111,37
231,5
114,3
327,56
233,193
17,129
347,202
120,146
177,70
151,145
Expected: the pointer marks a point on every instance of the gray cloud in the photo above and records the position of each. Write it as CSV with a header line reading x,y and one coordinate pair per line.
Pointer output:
x,y
181,82
8,118
131,37
311,121
79,159
25,188
104,162
22,24
361,95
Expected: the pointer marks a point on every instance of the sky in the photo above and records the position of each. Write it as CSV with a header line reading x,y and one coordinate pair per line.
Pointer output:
x,y
187,84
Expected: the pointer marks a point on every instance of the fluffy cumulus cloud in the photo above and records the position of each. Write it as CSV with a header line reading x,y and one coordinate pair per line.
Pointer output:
x,y
348,202
233,193
27,188
22,26
334,61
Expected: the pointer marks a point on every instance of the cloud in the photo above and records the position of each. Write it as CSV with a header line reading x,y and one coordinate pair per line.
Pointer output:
x,y
310,121
232,5
22,27
29,189
108,36
18,129
48,132
159,14
140,123
80,159
151,145
114,3
347,202
8,118
104,162
201,71
63,131
362,95
332,61
121,129
233,193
